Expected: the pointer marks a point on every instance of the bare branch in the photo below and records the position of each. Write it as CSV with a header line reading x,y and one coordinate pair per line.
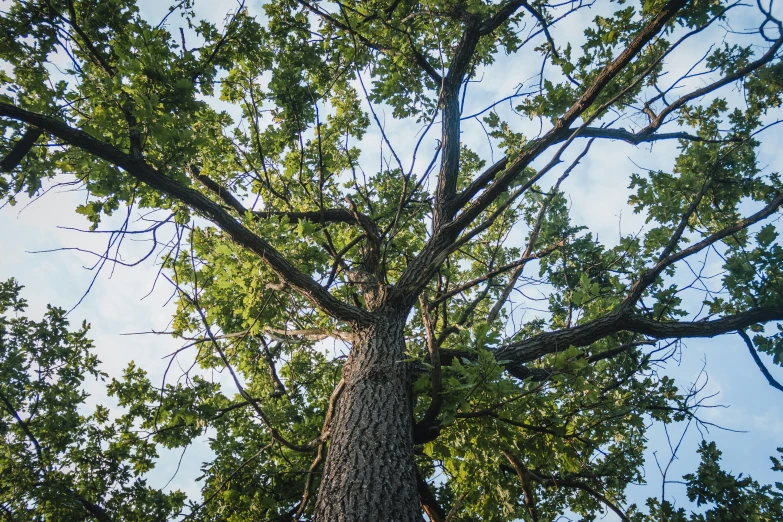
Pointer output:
x,y
446,189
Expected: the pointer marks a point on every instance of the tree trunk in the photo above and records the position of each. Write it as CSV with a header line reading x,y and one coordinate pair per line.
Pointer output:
x,y
369,473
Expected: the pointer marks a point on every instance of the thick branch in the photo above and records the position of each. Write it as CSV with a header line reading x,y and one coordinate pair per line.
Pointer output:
x,y
522,372
623,318
428,500
20,149
499,18
770,379
307,334
422,62
145,173
330,215
322,216
615,322
450,128
224,194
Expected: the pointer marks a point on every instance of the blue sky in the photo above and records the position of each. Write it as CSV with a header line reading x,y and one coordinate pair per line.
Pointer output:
x,y
597,191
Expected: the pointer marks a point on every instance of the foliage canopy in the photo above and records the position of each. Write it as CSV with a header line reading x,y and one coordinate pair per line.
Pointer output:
x,y
245,147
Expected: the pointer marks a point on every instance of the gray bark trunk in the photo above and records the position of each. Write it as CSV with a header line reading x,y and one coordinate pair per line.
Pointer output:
x,y
369,473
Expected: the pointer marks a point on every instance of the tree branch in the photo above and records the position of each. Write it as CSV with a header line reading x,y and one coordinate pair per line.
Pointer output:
x,y
499,18
434,351
524,481
519,263
428,501
634,138
95,510
329,215
25,428
227,480
698,93
561,131
275,434
525,476
147,174
419,272
583,335
770,379
419,58
649,276
553,481
534,232
20,149
446,190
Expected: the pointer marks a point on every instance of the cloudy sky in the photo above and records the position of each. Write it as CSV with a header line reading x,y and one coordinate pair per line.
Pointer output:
x,y
120,301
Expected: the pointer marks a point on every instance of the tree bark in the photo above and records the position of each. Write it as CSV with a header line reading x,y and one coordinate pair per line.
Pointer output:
x,y
370,472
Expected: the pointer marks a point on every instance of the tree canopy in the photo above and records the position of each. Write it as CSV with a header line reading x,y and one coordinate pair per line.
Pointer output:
x,y
499,361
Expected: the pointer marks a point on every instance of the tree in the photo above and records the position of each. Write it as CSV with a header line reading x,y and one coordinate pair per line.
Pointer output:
x,y
283,234
56,463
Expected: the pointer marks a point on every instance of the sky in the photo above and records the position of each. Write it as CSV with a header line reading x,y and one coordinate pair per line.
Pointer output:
x,y
123,300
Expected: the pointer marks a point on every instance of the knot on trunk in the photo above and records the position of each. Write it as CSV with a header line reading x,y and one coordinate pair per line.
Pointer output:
x,y
373,291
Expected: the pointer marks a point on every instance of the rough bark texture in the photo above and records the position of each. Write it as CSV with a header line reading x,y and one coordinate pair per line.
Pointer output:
x,y
369,472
